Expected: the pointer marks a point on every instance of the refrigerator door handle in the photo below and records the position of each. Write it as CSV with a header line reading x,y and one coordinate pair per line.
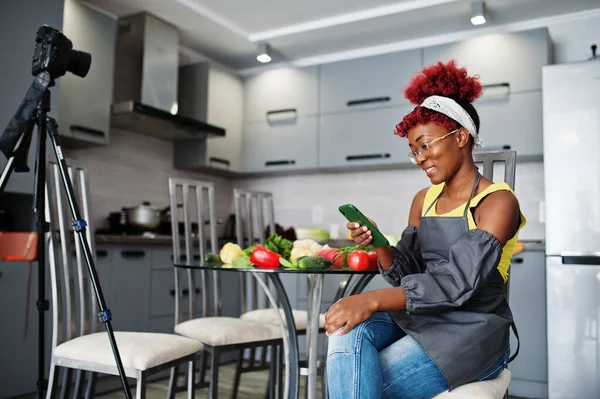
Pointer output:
x,y
590,259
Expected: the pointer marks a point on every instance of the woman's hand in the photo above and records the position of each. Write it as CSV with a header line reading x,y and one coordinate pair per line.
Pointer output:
x,y
348,312
361,234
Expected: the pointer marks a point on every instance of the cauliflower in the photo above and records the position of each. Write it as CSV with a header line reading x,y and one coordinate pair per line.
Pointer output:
x,y
230,252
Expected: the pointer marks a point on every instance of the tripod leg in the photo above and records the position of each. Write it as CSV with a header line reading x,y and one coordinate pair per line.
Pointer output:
x,y
79,226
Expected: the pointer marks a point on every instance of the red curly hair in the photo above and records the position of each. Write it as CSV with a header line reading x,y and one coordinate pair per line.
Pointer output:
x,y
443,80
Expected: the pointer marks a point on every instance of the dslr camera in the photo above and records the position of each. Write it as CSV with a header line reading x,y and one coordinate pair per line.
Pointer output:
x,y
54,53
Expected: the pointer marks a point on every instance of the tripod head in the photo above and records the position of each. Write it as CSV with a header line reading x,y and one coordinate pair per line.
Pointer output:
x,y
53,56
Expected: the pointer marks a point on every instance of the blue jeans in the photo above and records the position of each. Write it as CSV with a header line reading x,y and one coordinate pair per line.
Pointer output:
x,y
378,360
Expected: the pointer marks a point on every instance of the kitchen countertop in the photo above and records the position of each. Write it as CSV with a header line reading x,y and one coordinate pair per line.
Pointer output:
x,y
133,239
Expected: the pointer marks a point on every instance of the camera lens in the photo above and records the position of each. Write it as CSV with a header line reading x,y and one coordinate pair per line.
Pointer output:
x,y
79,63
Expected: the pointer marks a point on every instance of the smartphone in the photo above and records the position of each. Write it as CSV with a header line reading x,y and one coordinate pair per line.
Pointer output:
x,y
352,213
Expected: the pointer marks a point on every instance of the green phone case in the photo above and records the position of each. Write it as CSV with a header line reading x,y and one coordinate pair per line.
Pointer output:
x,y
352,213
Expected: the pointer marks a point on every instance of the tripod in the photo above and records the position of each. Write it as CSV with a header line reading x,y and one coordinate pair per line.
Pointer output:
x,y
14,143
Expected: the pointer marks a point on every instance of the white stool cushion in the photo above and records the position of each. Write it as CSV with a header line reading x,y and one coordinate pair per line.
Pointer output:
x,y
269,316
489,389
140,351
219,331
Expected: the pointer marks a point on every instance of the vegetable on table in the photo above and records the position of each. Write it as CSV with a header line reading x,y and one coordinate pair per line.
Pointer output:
x,y
265,258
313,262
279,245
359,260
230,252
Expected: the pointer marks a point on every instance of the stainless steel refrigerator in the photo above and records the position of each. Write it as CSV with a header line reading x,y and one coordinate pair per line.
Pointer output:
x,y
571,101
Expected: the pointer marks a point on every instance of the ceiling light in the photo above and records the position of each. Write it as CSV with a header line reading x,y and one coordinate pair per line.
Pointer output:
x,y
477,12
264,53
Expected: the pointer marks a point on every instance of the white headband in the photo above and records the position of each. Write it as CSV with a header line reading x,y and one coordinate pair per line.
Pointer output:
x,y
453,110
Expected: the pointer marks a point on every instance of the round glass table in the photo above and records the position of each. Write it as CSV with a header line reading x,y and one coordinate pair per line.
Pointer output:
x,y
355,283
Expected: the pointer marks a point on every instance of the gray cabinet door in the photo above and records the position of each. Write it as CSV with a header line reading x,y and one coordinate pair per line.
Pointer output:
x,y
19,332
278,146
294,89
512,122
527,299
225,109
369,82
362,138
130,288
85,103
515,58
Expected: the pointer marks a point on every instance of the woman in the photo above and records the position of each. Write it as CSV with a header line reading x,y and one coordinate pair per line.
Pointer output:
x,y
446,320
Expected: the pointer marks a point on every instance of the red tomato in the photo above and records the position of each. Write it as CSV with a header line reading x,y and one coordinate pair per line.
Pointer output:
x,y
359,260
333,255
373,260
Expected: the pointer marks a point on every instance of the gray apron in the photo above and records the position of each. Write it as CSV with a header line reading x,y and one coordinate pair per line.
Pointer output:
x,y
463,342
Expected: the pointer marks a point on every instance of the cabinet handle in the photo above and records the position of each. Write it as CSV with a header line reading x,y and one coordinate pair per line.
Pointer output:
x,y
88,130
282,162
362,101
133,254
185,292
281,111
361,157
219,160
517,260
101,253
496,85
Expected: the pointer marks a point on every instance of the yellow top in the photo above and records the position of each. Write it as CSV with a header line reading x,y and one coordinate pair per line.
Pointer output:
x,y
507,250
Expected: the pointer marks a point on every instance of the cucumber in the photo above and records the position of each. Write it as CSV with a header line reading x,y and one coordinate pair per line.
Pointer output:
x,y
313,262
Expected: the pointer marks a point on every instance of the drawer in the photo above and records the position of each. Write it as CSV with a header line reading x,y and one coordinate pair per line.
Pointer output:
x,y
162,257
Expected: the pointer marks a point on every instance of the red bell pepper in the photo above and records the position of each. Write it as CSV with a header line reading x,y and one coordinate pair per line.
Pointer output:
x,y
264,258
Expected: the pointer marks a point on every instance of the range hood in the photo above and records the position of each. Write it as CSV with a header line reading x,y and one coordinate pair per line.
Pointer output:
x,y
146,79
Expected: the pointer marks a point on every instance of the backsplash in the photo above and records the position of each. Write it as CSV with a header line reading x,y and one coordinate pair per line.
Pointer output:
x,y
134,168
384,196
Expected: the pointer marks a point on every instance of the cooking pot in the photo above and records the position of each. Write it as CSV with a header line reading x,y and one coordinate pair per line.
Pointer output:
x,y
144,216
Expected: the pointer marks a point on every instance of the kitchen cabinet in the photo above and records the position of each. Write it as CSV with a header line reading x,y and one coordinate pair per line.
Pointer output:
x,y
281,92
215,96
515,59
19,332
527,298
369,82
280,146
362,138
130,288
84,116
512,122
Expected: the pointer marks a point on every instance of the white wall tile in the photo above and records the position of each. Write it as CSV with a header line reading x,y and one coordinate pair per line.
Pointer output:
x,y
134,168
384,196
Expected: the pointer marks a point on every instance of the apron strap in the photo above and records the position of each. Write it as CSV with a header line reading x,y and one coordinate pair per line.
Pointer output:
x,y
477,179
514,328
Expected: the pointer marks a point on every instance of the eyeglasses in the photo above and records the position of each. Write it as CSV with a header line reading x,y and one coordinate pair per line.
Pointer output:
x,y
424,148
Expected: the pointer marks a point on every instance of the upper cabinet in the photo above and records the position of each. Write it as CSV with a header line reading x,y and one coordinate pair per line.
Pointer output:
x,y
283,92
364,137
84,113
369,82
505,62
215,96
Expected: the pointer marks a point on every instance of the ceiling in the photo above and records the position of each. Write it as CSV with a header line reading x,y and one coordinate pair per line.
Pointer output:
x,y
317,31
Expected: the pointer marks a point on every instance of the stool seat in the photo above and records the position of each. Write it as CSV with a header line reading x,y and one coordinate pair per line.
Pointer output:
x,y
488,389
